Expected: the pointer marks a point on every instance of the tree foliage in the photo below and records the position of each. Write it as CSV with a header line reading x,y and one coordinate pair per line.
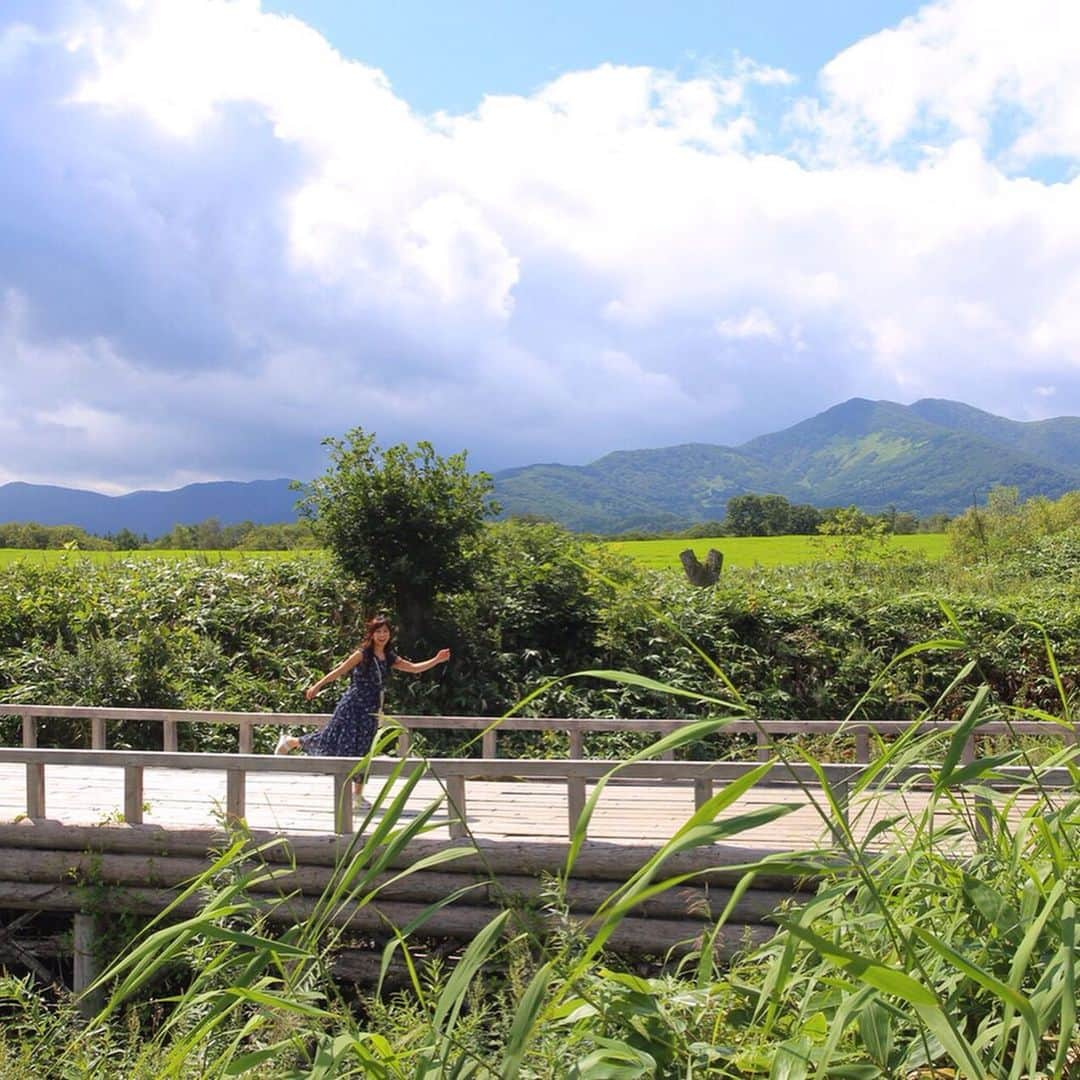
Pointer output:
x,y
402,520
1008,524
31,535
770,515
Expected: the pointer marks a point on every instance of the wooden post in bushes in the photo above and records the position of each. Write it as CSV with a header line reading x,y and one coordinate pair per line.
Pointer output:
x,y
702,574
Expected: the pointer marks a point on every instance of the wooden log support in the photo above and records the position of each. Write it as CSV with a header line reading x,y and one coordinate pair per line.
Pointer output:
x,y
235,794
133,794
98,734
29,732
343,805
86,963
575,801
455,793
35,789
25,875
170,741
20,870
600,860
633,936
244,740
703,791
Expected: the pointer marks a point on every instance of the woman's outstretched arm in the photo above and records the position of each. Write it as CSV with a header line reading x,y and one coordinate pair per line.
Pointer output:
x,y
342,669
401,664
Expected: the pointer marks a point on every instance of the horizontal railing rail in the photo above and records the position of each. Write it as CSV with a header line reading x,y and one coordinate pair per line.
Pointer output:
x,y
575,727
454,772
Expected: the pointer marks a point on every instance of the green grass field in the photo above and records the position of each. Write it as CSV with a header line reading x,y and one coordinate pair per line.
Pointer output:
x,y
743,551
747,551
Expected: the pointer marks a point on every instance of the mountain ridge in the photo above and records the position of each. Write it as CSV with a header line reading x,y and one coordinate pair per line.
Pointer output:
x,y
152,513
934,455
929,457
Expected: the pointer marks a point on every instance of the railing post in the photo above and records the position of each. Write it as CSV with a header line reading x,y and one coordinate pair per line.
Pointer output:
x,y
243,737
487,744
667,755
133,794
29,732
404,741
97,733
575,801
169,740
862,747
763,748
343,804
235,794
970,751
577,744
984,816
703,791
455,794
35,789
842,790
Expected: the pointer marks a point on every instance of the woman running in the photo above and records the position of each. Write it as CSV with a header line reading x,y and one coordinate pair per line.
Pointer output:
x,y
351,729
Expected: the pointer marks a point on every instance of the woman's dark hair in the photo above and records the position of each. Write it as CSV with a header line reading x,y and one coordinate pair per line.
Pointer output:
x,y
367,645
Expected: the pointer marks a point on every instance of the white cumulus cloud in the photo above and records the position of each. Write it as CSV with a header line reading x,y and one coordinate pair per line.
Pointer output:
x,y
223,240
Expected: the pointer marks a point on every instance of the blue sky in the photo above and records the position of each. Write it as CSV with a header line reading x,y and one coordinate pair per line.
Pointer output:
x,y
449,56
538,232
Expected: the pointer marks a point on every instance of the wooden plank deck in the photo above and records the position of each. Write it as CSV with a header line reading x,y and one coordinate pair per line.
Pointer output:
x,y
521,810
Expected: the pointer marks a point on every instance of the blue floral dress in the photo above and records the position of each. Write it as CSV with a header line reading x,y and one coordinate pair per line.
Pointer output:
x,y
352,728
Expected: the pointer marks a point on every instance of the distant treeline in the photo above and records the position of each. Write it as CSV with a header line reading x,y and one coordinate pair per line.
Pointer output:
x,y
746,515
208,535
773,515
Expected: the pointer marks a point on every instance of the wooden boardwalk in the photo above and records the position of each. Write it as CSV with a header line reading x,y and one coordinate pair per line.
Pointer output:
x,y
647,804
91,832
516,810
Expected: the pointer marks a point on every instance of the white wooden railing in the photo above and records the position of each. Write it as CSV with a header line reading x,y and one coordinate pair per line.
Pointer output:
x,y
576,728
575,772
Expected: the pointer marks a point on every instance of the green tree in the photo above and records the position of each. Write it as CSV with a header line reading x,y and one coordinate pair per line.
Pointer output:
x,y
770,515
401,520
746,515
856,536
126,540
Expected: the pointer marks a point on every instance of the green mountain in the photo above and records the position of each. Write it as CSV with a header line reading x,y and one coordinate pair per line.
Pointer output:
x,y
1056,440
634,489
928,457
150,512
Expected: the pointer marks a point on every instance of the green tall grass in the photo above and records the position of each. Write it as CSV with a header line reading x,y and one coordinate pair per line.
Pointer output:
x,y
940,942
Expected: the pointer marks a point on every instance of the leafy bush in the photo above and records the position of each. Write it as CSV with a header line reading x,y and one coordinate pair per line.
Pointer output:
x,y
799,642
